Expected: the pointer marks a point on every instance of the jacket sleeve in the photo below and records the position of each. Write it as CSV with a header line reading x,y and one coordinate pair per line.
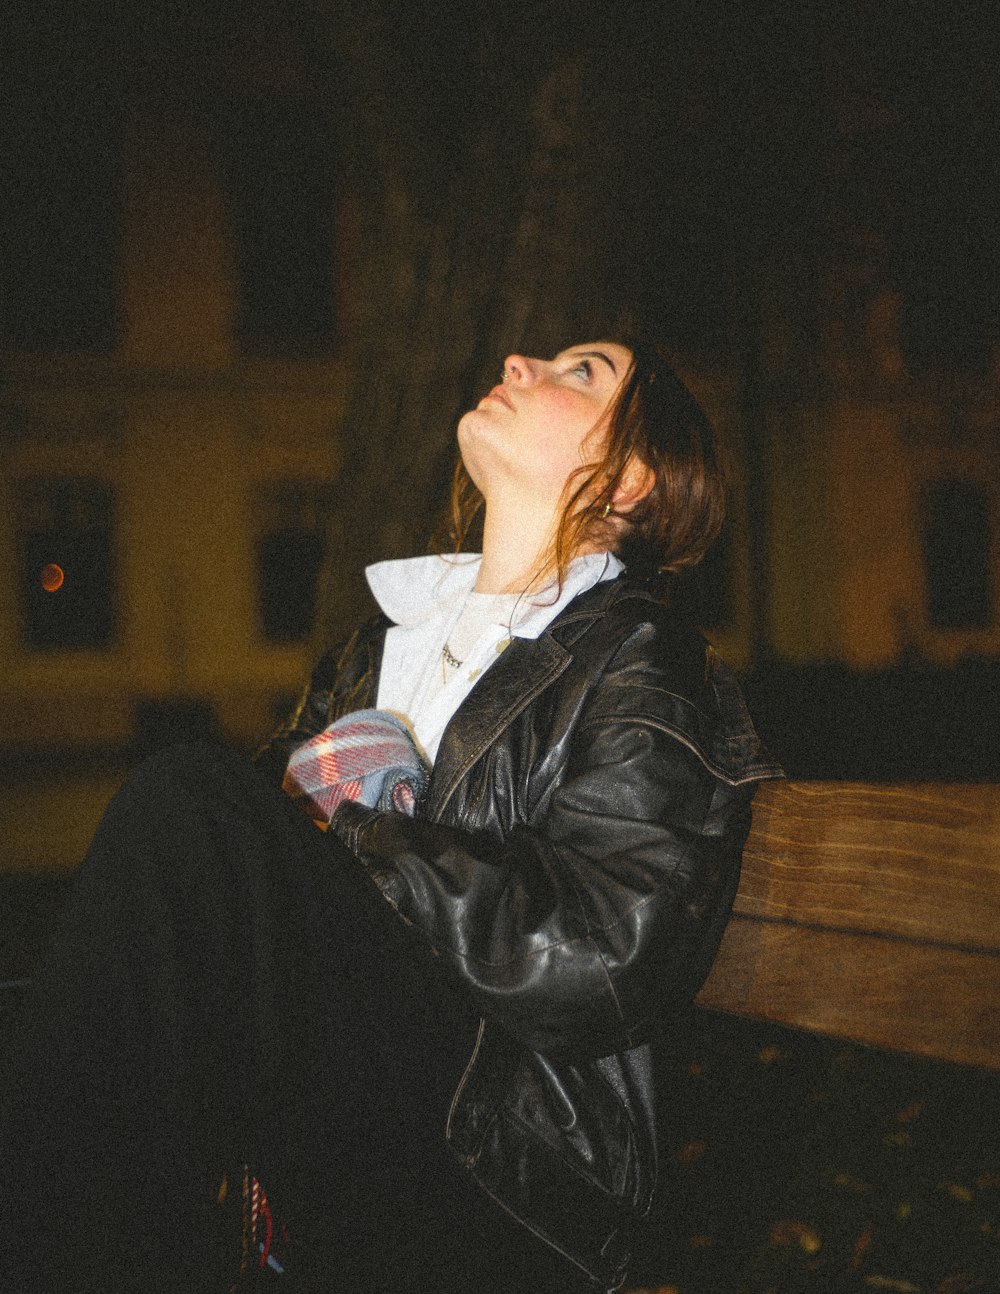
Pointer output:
x,y
601,916
306,720
342,680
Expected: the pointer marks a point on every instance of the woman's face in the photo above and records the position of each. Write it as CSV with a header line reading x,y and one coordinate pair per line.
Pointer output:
x,y
543,422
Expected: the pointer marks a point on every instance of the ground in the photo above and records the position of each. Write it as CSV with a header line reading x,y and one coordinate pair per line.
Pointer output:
x,y
792,1162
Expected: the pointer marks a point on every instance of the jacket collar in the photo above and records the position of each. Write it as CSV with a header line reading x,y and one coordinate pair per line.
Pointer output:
x,y
412,590
524,670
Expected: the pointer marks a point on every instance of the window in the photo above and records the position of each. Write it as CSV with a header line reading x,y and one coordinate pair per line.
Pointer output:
x,y
63,124
957,547
65,528
280,165
291,545
945,253
946,326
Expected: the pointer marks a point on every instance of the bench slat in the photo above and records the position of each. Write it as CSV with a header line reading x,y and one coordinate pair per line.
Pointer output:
x,y
921,861
871,912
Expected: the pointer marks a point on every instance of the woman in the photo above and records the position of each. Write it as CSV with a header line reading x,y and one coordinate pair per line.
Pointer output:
x,y
423,1035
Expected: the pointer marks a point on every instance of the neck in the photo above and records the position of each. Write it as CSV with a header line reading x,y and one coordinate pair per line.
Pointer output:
x,y
517,550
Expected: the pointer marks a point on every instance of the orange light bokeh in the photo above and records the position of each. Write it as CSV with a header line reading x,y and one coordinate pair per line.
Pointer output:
x,y
52,577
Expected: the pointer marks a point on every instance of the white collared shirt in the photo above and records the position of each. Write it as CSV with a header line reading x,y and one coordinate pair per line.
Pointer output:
x,y
432,603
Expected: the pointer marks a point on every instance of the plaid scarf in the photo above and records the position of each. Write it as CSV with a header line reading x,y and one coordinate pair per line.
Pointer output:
x,y
368,756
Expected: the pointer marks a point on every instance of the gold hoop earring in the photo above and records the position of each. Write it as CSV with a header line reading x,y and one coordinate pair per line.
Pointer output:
x,y
605,511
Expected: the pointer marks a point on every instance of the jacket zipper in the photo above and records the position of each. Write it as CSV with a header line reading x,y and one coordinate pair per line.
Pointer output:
x,y
470,1159
546,1239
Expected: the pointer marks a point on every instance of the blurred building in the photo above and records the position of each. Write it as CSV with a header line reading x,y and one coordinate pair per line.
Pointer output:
x,y
169,450
166,464
863,414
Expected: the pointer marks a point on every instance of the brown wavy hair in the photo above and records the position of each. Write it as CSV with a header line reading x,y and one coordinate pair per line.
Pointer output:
x,y
652,419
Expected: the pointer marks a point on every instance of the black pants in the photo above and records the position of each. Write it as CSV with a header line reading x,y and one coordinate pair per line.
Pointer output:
x,y
227,987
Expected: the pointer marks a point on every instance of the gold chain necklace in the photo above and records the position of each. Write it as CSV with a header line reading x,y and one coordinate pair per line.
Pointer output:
x,y
448,658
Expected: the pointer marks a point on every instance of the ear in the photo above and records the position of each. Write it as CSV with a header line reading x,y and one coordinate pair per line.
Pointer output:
x,y
637,481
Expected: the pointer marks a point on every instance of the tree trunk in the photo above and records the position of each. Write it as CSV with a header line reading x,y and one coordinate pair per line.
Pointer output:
x,y
497,250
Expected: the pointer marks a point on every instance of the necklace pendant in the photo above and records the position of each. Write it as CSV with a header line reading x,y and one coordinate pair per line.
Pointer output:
x,y
448,660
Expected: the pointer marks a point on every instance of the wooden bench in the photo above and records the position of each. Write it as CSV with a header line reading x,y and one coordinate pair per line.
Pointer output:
x,y
869,912
872,913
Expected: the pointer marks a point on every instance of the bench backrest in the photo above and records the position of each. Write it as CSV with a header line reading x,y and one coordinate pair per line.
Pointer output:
x,y
871,912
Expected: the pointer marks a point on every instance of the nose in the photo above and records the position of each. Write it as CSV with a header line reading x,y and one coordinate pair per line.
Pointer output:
x,y
518,369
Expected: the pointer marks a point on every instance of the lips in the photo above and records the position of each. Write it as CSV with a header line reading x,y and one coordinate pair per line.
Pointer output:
x,y
500,393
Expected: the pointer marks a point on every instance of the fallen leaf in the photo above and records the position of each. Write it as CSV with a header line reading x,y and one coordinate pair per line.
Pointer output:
x,y
691,1152
861,1246
960,1283
788,1232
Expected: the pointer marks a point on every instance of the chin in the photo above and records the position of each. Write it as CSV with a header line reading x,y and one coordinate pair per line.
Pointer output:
x,y
473,438
464,430
469,422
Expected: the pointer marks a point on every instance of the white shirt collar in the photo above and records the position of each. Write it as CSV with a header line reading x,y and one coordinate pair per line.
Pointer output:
x,y
411,590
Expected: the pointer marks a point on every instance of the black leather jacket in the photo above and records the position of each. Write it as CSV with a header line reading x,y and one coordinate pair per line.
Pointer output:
x,y
573,863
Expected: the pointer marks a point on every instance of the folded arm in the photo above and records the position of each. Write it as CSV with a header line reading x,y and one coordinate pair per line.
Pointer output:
x,y
584,925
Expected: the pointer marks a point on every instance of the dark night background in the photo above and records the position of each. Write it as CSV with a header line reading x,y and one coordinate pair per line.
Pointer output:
x,y
726,166
722,117
799,199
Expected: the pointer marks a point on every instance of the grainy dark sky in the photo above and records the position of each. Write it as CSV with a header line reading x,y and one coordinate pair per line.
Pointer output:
x,y
756,123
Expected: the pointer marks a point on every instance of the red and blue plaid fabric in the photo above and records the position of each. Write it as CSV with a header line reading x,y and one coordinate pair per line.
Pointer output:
x,y
264,1238
367,756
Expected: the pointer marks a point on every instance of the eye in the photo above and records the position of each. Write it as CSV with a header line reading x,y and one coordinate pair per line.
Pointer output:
x,y
584,368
